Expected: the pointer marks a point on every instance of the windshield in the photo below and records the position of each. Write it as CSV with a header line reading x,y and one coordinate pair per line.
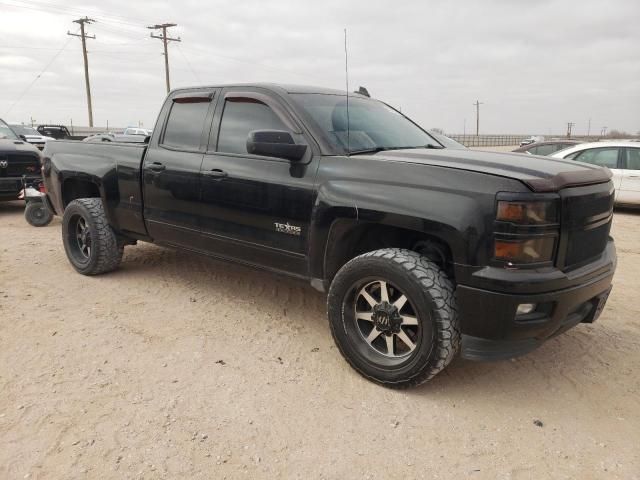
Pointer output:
x,y
448,142
6,132
24,130
372,124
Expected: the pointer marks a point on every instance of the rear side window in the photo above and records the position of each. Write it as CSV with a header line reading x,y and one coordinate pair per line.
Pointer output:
x,y
544,150
602,157
241,116
633,158
184,126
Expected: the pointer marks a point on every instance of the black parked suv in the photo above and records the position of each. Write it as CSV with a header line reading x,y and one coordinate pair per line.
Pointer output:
x,y
425,251
17,159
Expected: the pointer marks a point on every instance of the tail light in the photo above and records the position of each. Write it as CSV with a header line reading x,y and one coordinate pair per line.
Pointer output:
x,y
526,229
42,188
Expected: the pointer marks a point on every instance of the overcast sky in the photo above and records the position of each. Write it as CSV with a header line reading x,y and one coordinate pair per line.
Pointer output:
x,y
536,65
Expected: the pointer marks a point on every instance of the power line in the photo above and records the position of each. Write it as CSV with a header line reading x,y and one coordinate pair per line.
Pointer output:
x,y
165,40
24,92
188,64
61,9
83,36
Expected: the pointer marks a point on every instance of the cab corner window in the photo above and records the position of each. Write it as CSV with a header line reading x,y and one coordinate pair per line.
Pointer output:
x,y
185,124
241,116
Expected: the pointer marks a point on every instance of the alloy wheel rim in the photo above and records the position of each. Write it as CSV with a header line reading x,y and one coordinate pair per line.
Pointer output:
x,y
83,237
386,319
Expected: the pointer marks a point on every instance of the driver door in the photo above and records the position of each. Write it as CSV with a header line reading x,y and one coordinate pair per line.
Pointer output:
x,y
255,209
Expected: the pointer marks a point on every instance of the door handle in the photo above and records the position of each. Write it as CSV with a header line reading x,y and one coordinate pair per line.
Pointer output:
x,y
156,166
215,173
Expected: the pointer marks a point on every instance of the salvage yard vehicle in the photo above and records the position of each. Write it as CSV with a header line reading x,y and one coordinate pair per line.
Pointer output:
x,y
137,131
425,251
18,159
115,137
30,135
546,148
58,132
622,157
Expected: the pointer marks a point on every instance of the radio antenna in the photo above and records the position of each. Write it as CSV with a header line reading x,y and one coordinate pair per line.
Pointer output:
x,y
346,72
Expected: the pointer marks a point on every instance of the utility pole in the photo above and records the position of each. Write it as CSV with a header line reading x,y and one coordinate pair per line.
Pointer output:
x,y
83,36
589,128
165,40
477,104
569,127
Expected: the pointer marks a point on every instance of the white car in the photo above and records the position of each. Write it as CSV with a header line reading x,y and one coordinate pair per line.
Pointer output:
x,y
621,157
31,135
137,131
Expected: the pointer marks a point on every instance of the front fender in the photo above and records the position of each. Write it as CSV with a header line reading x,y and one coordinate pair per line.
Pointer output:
x,y
455,206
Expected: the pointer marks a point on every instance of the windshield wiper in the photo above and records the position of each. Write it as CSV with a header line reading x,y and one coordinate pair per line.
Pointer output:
x,y
368,150
384,149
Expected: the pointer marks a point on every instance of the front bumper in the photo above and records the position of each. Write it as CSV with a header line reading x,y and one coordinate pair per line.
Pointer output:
x,y
10,187
491,330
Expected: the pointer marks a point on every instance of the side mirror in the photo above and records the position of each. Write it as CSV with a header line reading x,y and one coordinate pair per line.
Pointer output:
x,y
23,138
275,143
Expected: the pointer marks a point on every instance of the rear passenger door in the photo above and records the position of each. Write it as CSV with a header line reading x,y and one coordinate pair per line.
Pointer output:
x,y
171,169
630,185
256,209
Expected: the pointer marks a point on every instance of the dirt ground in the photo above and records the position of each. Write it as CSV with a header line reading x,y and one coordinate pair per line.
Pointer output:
x,y
179,366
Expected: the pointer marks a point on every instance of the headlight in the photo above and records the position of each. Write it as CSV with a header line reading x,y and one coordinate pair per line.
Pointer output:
x,y
526,228
533,250
537,212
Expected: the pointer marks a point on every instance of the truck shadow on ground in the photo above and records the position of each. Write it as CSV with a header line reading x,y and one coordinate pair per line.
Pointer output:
x,y
12,206
627,210
582,355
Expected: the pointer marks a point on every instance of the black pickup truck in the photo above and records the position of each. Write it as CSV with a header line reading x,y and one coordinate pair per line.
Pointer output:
x,y
424,251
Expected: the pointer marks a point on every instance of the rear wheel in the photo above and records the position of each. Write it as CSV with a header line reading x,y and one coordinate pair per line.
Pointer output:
x,y
37,214
91,245
393,316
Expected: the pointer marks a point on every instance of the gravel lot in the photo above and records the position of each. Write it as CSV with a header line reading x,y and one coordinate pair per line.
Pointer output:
x,y
179,366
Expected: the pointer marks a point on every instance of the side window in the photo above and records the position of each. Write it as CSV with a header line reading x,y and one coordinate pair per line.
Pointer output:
x,y
184,126
633,159
602,157
241,116
545,149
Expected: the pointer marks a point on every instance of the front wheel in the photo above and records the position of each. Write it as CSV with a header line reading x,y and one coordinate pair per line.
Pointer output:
x,y
89,241
393,316
37,214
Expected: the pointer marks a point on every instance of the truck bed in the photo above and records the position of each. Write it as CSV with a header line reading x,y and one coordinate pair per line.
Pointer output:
x,y
115,166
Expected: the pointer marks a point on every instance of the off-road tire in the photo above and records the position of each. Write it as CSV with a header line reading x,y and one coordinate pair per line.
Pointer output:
x,y
106,251
430,291
37,214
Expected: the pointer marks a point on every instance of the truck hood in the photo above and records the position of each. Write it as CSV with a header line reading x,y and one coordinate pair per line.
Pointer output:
x,y
541,174
16,146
